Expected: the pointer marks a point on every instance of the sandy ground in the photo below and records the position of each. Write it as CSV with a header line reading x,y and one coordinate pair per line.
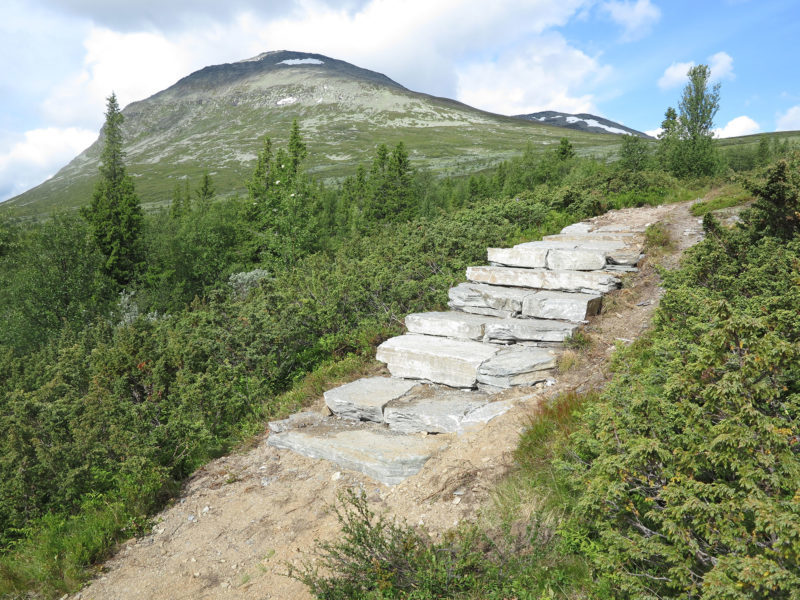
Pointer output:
x,y
242,518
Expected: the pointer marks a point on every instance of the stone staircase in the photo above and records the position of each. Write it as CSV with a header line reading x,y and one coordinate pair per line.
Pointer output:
x,y
505,329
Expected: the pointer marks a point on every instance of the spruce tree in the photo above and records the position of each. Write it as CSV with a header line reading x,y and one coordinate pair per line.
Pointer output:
x,y
297,150
565,150
205,192
115,215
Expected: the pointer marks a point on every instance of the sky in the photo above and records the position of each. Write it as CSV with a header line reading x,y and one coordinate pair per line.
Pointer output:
x,y
625,60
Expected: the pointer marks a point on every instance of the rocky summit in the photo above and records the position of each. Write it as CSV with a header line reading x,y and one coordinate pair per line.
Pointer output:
x,y
216,119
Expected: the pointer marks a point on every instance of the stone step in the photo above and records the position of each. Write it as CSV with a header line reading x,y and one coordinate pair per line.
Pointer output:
x,y
364,399
545,279
434,409
528,330
505,302
492,300
620,228
459,325
456,325
578,238
436,359
543,257
581,227
387,456
565,306
517,366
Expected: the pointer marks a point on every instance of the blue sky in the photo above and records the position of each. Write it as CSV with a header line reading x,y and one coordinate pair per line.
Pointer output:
x,y
622,59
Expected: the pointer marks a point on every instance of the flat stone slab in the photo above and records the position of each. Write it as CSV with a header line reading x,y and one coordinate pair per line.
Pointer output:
x,y
528,330
575,238
387,456
620,229
561,305
581,227
587,244
364,399
517,366
629,257
485,299
436,359
448,324
528,256
441,410
576,259
542,255
506,302
295,421
565,281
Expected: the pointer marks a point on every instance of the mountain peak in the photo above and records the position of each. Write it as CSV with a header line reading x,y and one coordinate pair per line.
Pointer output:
x,y
267,64
215,119
288,57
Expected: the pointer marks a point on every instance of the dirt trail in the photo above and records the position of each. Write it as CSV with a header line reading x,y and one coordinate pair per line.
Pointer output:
x,y
242,517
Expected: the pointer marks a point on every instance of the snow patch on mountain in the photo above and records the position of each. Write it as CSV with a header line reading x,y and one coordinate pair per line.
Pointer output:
x,y
286,101
594,123
301,61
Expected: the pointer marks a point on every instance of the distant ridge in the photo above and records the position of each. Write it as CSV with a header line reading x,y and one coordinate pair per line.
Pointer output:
x,y
581,122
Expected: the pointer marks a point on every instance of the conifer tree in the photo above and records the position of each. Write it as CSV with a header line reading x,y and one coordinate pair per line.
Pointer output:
x,y
565,150
297,150
205,192
115,215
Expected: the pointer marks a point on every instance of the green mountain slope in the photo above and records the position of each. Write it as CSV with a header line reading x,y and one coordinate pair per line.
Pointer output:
x,y
216,119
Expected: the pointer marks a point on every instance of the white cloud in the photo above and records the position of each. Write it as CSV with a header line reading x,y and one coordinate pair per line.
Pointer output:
x,y
790,120
654,132
675,75
548,75
721,65
133,65
418,43
38,155
637,18
739,126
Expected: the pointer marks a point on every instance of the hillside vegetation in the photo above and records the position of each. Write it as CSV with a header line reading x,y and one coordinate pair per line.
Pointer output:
x,y
678,480
134,347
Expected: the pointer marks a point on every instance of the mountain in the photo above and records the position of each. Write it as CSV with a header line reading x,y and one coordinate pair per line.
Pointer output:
x,y
581,122
216,118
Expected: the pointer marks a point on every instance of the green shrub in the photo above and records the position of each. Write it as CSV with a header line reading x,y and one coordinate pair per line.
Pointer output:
x,y
687,467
